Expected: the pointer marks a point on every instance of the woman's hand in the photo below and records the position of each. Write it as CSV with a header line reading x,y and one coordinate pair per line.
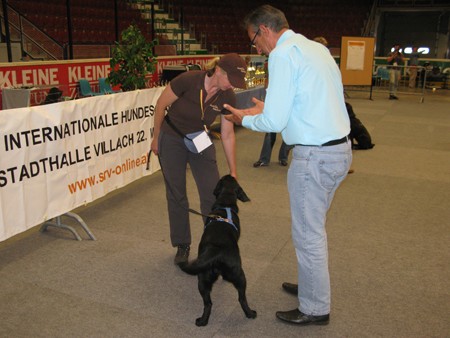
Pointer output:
x,y
154,146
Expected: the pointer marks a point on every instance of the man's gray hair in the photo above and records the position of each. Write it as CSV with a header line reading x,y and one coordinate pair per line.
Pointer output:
x,y
268,16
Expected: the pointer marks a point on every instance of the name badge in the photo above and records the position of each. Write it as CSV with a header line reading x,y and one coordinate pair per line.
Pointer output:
x,y
202,141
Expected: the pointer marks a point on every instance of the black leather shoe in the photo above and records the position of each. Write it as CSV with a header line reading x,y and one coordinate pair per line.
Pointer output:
x,y
290,288
298,318
182,254
283,163
258,164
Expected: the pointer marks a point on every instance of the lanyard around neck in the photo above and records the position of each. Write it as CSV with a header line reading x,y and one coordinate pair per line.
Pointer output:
x,y
201,104
203,111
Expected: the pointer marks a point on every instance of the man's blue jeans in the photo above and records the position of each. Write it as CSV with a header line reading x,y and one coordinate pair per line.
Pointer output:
x,y
313,177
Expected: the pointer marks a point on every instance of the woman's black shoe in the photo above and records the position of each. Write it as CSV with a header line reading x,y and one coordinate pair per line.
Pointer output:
x,y
182,254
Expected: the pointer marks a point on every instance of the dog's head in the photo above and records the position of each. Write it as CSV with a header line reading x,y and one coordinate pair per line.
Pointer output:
x,y
228,191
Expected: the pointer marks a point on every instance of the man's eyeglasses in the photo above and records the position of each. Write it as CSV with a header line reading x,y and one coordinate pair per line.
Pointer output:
x,y
252,44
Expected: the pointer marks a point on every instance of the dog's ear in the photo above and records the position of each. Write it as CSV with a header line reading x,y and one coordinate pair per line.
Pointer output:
x,y
218,188
241,195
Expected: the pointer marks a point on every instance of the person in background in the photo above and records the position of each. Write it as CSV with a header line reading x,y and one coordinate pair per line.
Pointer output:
x,y
305,102
266,151
322,40
54,95
413,64
193,101
395,59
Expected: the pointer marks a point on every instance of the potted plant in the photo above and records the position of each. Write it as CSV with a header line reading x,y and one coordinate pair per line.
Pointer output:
x,y
132,59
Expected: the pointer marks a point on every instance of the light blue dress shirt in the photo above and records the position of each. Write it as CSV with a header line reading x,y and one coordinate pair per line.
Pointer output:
x,y
305,96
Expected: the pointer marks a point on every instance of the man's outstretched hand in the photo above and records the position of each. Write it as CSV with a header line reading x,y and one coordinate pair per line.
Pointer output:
x,y
237,115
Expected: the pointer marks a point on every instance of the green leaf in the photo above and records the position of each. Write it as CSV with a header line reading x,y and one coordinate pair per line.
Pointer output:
x,y
132,60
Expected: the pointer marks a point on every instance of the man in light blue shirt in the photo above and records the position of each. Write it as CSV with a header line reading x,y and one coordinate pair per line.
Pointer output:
x,y
305,89
305,102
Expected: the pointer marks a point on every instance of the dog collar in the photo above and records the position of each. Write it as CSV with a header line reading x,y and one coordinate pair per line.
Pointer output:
x,y
228,220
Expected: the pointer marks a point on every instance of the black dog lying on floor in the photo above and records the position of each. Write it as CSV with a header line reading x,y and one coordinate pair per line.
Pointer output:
x,y
218,251
358,132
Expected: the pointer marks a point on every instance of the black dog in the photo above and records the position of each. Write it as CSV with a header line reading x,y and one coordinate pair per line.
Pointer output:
x,y
218,251
358,132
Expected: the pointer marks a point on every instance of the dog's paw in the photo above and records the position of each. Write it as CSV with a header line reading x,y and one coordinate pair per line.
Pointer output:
x,y
201,321
251,314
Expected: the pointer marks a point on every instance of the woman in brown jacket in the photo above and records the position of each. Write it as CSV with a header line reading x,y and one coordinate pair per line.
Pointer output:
x,y
193,100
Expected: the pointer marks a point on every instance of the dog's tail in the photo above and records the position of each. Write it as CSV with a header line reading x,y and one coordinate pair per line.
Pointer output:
x,y
204,262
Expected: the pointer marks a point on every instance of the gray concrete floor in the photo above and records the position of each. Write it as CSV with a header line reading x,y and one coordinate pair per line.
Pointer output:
x,y
388,242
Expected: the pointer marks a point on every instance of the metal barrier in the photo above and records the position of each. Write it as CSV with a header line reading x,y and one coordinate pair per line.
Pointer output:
x,y
409,80
404,80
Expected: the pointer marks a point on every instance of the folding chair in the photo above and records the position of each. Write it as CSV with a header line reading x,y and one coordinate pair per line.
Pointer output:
x,y
105,87
85,88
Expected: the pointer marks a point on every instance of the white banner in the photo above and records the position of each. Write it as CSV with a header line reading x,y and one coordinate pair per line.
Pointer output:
x,y
57,157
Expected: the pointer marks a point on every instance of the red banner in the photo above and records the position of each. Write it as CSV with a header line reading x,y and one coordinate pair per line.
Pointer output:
x,y
65,74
